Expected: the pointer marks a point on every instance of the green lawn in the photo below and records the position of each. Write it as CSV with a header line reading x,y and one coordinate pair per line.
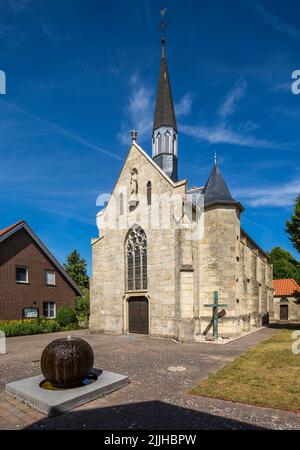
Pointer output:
x,y
267,375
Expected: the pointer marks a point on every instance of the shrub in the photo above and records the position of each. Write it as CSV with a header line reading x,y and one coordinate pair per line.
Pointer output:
x,y
83,308
49,325
19,328
66,316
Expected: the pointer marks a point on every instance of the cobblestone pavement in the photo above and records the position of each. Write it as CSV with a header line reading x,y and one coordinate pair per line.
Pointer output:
x,y
156,398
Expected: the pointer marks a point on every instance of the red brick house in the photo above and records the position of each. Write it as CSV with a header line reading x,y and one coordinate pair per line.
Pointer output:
x,y
30,276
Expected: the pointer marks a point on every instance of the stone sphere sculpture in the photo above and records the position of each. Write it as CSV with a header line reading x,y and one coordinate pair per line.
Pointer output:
x,y
66,362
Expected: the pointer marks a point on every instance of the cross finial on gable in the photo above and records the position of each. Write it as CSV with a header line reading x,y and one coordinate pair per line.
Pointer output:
x,y
134,135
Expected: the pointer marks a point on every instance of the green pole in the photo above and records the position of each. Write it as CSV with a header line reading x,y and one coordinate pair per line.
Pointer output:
x,y
216,327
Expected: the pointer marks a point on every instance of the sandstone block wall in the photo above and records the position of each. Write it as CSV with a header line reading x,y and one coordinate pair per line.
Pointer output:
x,y
182,273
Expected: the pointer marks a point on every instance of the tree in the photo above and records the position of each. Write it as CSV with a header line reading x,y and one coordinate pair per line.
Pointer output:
x,y
76,269
83,307
297,297
293,226
284,264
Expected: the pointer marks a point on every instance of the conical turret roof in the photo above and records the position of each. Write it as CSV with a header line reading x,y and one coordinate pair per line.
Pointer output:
x,y
216,190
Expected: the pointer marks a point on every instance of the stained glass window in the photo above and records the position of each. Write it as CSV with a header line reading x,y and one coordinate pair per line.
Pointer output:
x,y
136,251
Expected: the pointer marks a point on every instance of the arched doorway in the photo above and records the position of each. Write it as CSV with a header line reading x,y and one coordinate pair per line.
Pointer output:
x,y
138,315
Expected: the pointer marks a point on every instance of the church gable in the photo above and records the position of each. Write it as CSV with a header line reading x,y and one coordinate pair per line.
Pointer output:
x,y
141,183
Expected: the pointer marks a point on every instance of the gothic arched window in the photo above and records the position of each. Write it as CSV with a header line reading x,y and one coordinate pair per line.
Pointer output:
x,y
158,143
121,199
175,144
167,142
149,192
136,253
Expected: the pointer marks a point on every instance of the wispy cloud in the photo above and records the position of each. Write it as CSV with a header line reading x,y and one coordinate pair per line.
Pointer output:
x,y
51,32
220,134
281,87
184,106
11,8
229,105
270,18
61,130
19,5
62,212
279,195
138,112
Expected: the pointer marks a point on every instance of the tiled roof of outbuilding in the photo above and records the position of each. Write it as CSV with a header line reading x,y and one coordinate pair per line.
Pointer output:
x,y
285,287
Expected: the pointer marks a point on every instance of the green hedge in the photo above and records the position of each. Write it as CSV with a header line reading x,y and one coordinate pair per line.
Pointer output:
x,y
19,328
66,316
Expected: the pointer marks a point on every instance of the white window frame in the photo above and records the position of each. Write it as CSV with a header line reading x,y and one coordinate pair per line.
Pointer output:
x,y
46,274
27,276
47,305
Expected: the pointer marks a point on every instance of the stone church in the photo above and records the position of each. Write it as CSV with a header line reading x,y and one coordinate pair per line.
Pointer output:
x,y
165,250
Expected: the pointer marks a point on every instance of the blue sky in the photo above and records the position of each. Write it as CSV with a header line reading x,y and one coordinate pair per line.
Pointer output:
x,y
81,75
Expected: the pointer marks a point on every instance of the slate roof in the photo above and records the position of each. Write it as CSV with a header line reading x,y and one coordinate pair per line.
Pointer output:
x,y
285,287
216,190
164,110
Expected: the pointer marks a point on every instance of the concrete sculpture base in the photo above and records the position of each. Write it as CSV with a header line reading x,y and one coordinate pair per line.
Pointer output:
x,y
53,403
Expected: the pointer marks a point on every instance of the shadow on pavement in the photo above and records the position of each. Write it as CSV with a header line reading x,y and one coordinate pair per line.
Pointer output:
x,y
151,415
285,326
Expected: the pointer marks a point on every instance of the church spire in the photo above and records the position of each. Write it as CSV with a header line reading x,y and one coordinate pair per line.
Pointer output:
x,y
164,110
164,138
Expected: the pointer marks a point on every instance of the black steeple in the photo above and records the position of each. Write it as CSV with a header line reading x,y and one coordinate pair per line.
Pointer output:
x,y
165,135
216,190
164,115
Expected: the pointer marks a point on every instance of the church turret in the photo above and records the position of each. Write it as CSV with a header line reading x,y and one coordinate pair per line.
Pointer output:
x,y
216,190
164,137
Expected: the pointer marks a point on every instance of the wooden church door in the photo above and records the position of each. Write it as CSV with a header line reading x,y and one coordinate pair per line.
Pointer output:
x,y
138,315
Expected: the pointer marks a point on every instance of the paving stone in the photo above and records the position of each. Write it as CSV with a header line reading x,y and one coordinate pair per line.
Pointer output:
x,y
155,398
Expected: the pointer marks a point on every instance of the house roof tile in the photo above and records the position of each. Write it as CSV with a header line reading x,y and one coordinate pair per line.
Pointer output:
x,y
285,287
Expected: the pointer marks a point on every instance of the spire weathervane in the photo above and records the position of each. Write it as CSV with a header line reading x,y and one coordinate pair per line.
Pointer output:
x,y
165,134
163,25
